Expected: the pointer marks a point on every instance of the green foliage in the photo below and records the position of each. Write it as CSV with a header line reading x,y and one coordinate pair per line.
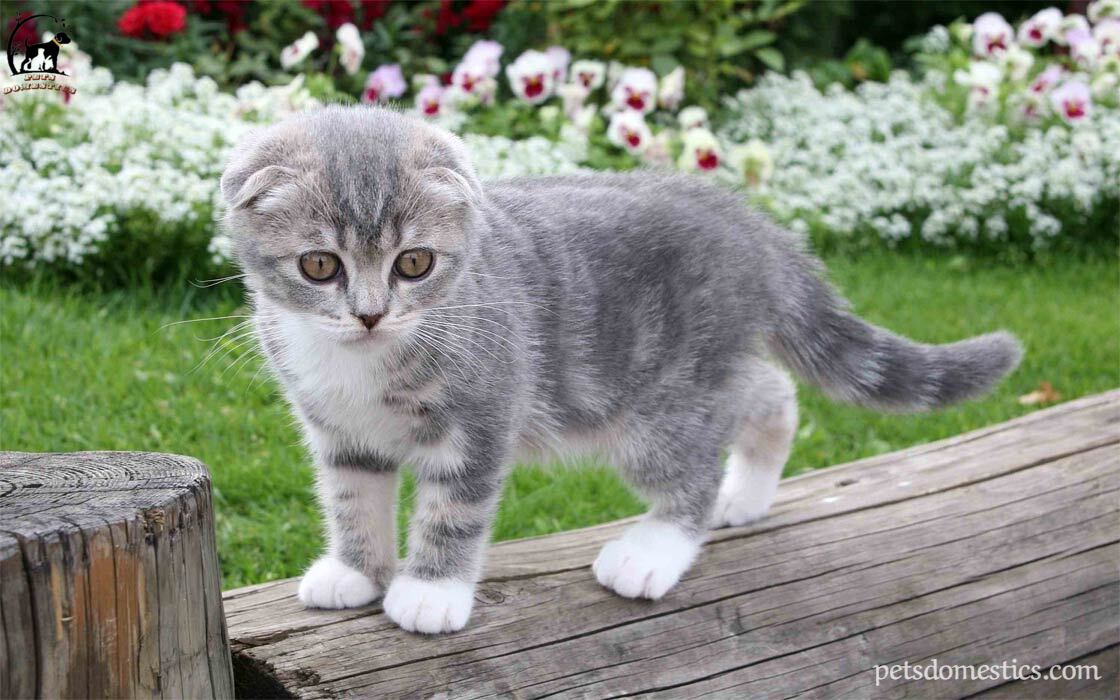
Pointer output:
x,y
721,43
864,61
90,371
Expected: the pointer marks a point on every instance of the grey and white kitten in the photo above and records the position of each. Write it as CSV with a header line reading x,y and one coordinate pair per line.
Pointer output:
x,y
415,315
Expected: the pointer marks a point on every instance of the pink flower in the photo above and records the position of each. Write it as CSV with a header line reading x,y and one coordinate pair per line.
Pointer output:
x,y
1040,28
384,83
560,58
486,54
991,34
429,100
629,130
1046,79
1072,101
1083,48
530,77
636,89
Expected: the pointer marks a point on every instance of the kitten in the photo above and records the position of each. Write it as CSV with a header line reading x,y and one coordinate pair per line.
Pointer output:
x,y
417,316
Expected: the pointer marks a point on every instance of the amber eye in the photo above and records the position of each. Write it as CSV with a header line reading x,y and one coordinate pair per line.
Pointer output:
x,y
414,264
319,266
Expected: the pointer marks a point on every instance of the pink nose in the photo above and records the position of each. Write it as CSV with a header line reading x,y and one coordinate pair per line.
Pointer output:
x,y
369,320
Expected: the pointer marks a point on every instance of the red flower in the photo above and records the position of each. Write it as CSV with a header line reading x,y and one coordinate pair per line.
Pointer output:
x,y
26,35
480,14
159,19
446,19
372,10
335,12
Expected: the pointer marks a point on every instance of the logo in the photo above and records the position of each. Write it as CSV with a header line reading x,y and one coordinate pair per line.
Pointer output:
x,y
38,61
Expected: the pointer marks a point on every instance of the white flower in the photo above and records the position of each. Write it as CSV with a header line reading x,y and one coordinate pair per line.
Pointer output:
x,y
671,92
590,74
636,89
293,54
560,58
983,79
1040,28
693,118
629,130
353,50
991,34
1017,62
660,150
530,77
473,77
1070,23
1103,9
753,161
701,151
1107,36
1105,86
584,118
573,96
487,54
429,100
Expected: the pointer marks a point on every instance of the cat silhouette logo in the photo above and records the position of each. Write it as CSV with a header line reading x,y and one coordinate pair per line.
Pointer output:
x,y
37,61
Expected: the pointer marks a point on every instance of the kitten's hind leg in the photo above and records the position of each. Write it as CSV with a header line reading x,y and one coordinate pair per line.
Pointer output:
x,y
677,470
759,451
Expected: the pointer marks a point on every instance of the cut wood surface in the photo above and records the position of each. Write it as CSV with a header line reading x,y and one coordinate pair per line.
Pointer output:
x,y
109,578
1001,545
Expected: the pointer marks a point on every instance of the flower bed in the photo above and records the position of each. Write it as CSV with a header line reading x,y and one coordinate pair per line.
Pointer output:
x,y
1002,144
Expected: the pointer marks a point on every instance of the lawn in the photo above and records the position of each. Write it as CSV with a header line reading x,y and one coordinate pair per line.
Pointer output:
x,y
84,371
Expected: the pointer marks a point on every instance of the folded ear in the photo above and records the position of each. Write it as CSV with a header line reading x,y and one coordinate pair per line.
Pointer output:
x,y
243,187
456,185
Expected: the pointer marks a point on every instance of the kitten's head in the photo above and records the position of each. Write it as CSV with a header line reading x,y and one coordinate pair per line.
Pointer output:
x,y
351,220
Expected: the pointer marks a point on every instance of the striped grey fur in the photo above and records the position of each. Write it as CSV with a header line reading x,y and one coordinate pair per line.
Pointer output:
x,y
634,315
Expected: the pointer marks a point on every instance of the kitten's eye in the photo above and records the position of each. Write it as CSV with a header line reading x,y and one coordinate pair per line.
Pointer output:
x,y
414,264
319,266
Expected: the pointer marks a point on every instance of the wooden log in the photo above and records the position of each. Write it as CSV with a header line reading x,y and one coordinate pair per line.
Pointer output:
x,y
109,579
999,545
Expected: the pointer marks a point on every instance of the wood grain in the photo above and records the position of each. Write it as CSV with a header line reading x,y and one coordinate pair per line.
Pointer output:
x,y
109,578
996,545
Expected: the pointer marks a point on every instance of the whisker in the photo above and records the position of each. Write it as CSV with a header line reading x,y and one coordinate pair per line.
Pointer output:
x,y
201,320
203,284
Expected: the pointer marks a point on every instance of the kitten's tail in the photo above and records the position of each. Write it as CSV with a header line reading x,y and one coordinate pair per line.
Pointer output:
x,y
851,360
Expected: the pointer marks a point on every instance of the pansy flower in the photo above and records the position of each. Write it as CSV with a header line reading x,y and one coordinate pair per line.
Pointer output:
x,y
636,89
384,83
531,77
629,130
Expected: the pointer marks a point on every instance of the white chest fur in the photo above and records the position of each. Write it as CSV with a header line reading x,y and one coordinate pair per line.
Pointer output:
x,y
339,390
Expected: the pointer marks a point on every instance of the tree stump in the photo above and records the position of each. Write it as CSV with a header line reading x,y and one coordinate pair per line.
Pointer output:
x,y
109,578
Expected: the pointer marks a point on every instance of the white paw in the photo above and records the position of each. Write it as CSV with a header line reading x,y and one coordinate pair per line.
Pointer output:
x,y
646,561
331,584
744,496
430,607
739,507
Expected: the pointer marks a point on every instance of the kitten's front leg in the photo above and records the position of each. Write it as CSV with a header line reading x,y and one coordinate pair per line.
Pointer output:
x,y
447,536
358,494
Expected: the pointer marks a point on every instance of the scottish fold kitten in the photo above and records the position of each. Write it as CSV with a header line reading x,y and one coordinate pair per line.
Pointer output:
x,y
415,315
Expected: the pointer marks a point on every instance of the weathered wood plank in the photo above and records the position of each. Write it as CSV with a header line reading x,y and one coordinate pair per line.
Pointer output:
x,y
103,565
1000,544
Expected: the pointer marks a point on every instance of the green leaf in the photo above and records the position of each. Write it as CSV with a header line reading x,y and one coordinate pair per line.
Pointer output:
x,y
771,57
752,40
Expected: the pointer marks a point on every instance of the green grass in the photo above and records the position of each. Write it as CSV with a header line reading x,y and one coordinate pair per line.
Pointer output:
x,y
95,371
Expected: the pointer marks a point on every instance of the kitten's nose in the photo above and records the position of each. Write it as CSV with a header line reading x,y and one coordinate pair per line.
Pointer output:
x,y
369,320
